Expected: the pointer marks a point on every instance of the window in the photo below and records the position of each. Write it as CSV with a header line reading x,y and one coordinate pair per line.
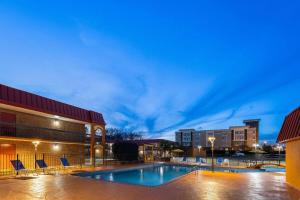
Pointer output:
x,y
239,136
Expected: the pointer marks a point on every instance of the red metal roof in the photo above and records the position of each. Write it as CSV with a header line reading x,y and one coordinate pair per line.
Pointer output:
x,y
291,126
19,98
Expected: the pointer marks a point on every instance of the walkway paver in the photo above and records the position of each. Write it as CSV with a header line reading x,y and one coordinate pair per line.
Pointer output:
x,y
202,185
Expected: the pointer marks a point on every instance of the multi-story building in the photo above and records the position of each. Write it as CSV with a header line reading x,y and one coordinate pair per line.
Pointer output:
x,y
31,123
222,141
188,137
235,138
243,137
253,123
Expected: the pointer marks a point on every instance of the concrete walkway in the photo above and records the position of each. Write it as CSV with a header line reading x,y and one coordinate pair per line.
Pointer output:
x,y
204,185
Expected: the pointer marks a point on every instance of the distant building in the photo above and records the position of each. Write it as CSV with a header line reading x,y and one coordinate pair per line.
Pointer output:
x,y
290,134
243,137
188,137
253,123
239,138
222,142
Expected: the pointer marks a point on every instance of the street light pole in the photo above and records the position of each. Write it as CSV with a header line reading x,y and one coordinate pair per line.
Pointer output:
x,y
199,148
212,140
255,150
35,144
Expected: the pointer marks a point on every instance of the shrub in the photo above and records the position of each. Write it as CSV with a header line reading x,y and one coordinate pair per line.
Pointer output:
x,y
125,151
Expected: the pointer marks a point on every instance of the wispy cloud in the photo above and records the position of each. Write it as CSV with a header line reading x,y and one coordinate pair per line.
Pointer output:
x,y
195,79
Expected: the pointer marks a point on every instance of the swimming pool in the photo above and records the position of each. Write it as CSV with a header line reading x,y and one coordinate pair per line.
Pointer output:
x,y
146,176
155,175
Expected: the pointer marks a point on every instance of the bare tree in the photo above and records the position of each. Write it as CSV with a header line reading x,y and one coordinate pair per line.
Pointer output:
x,y
122,134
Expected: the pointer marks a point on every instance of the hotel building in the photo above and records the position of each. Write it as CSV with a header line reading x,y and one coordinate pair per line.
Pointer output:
x,y
240,138
243,137
222,141
30,123
187,137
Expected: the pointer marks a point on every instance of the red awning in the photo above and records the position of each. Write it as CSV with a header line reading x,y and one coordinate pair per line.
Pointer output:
x,y
291,127
19,98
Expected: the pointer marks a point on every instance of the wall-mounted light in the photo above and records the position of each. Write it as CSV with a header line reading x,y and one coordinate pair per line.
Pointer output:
x,y
35,144
56,122
97,151
5,145
55,147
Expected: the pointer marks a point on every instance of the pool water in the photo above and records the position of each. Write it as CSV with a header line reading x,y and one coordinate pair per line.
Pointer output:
x,y
156,175
147,176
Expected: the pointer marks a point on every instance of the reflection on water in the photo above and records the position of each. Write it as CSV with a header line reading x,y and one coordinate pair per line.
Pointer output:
x,y
111,177
150,176
161,173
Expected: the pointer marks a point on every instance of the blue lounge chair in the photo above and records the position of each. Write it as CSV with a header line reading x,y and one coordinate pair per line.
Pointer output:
x,y
220,160
198,160
184,159
42,165
203,161
65,163
19,167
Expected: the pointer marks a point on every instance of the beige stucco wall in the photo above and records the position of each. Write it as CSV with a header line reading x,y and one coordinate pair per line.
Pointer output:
x,y
26,147
26,153
293,163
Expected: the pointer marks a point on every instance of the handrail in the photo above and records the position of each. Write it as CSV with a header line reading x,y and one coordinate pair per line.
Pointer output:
x,y
25,131
36,127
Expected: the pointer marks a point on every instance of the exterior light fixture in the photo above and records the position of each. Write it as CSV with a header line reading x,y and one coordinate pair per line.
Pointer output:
x,y
55,147
35,144
56,122
199,148
255,148
212,141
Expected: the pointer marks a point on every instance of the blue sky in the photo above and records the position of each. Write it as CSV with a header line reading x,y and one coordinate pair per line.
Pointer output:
x,y
158,66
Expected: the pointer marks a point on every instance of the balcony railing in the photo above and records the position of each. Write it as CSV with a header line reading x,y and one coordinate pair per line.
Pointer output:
x,y
31,132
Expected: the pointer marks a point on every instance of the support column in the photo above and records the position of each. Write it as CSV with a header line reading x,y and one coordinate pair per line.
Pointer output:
x,y
92,145
103,143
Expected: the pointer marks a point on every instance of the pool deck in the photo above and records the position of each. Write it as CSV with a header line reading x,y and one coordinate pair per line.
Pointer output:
x,y
201,185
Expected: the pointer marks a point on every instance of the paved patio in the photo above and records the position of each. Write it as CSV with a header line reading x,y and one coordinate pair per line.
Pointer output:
x,y
204,185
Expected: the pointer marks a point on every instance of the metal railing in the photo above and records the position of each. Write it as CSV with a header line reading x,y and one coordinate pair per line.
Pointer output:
x,y
25,131
29,161
242,161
